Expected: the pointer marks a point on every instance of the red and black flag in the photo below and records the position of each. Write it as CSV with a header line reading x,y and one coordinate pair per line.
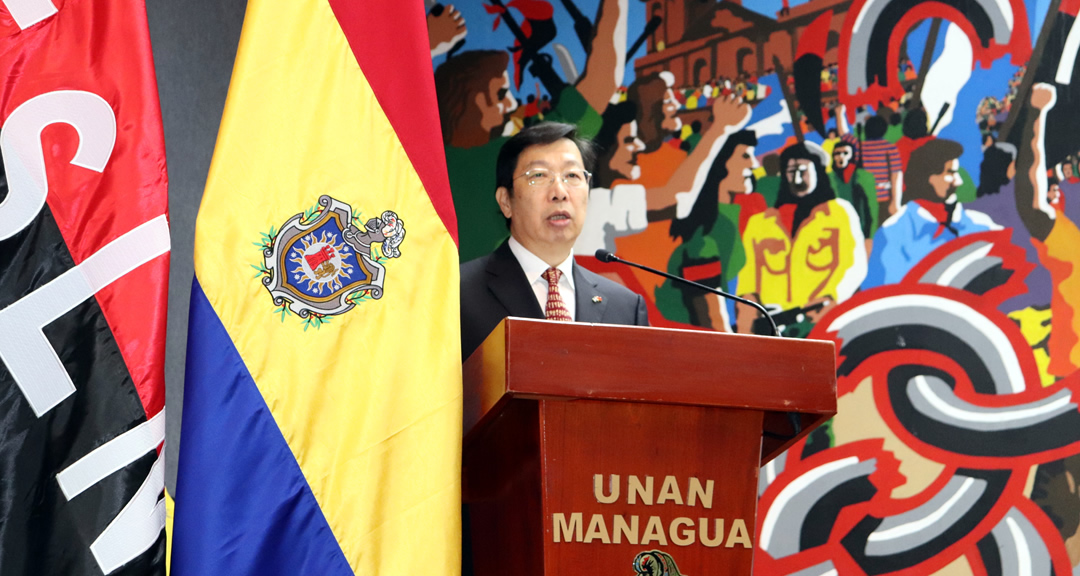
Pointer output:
x,y
809,62
84,249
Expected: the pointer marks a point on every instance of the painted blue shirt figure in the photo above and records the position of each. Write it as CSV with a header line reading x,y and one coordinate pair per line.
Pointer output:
x,y
929,218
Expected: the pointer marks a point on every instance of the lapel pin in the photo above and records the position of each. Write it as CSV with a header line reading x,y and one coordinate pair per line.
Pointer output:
x,y
597,299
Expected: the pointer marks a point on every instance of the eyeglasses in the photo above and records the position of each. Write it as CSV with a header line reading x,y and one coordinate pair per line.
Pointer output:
x,y
540,178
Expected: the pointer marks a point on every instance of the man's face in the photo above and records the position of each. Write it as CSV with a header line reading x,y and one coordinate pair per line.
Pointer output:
x,y
627,146
1053,194
801,176
497,103
546,218
671,123
740,173
841,157
946,182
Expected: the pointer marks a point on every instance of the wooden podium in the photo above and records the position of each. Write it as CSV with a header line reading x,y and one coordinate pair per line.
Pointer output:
x,y
587,445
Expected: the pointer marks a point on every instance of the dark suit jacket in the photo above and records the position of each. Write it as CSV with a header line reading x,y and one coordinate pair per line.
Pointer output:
x,y
494,287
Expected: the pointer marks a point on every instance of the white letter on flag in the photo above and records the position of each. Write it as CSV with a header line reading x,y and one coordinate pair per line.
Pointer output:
x,y
28,355
26,13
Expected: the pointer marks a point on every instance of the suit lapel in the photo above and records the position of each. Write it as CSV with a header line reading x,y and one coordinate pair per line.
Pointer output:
x,y
588,299
508,284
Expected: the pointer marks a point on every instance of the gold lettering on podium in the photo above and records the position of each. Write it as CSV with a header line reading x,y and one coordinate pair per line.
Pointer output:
x,y
718,534
685,537
680,531
561,527
597,530
738,534
697,492
635,489
654,532
621,528
598,489
669,490
658,530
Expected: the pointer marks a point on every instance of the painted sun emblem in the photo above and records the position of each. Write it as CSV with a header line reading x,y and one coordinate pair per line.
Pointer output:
x,y
320,261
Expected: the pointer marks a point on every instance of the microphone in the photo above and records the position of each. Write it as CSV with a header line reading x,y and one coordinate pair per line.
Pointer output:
x,y
607,256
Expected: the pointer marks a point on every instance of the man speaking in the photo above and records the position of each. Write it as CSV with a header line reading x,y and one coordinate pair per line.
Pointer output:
x,y
543,190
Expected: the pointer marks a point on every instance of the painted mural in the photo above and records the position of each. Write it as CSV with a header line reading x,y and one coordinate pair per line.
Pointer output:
x,y
901,177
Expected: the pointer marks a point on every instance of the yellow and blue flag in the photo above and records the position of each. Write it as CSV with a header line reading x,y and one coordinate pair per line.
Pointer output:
x,y
321,429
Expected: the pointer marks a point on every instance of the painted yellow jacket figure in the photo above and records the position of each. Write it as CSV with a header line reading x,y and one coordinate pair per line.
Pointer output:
x,y
826,257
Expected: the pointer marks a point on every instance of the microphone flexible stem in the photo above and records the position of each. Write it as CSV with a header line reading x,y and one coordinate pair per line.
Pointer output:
x,y
605,256
793,417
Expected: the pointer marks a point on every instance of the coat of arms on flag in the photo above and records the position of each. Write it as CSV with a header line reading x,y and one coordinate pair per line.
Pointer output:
x,y
323,263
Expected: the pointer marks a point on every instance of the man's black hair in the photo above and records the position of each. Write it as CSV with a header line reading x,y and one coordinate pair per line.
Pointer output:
x,y
915,123
876,127
845,144
540,134
994,170
606,142
705,211
819,195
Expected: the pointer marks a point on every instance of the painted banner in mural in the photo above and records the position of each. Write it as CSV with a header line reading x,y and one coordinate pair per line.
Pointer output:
x,y
901,177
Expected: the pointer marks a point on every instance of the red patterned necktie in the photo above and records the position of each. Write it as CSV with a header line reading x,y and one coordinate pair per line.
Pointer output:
x,y
555,309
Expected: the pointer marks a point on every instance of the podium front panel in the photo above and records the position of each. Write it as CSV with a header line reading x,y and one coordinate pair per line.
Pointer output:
x,y
680,481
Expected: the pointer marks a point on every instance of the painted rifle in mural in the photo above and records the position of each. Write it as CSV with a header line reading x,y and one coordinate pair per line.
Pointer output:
x,y
899,176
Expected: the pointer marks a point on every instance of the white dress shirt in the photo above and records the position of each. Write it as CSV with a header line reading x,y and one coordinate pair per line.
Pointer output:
x,y
534,269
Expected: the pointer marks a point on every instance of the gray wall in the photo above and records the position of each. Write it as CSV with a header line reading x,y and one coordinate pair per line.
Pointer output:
x,y
194,44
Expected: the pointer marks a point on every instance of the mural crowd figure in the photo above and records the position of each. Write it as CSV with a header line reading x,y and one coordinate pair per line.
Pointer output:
x,y
953,294
930,217
807,252
711,250
856,186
